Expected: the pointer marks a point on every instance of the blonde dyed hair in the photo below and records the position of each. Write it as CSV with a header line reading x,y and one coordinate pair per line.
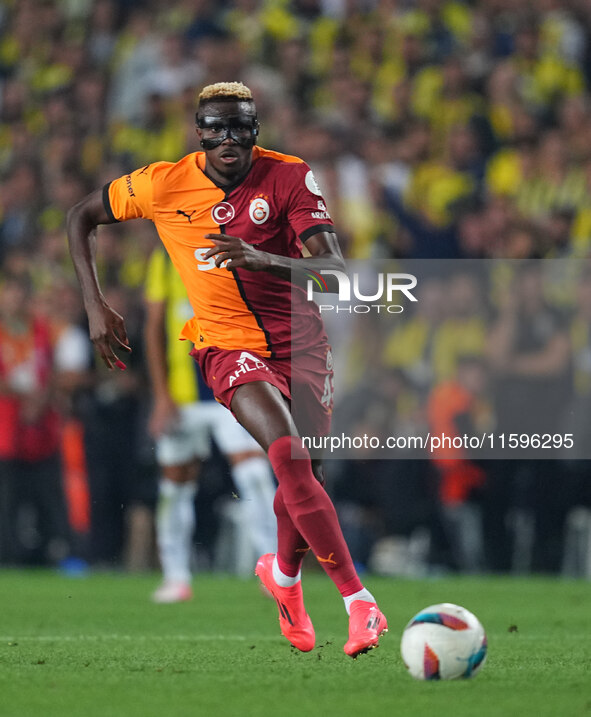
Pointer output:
x,y
225,91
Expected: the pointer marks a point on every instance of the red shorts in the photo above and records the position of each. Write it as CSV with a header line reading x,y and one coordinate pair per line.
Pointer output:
x,y
307,377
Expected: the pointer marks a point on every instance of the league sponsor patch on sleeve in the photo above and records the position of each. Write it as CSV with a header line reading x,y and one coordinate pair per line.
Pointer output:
x,y
312,184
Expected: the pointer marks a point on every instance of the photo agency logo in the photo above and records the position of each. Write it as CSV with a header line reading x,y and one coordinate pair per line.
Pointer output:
x,y
353,299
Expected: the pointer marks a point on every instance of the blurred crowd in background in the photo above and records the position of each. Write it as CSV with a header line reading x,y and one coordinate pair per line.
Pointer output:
x,y
436,130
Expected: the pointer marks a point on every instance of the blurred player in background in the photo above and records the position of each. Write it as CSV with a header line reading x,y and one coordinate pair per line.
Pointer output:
x,y
234,219
184,417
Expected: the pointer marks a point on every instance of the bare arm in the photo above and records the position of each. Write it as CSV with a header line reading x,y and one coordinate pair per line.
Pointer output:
x,y
155,341
165,410
552,360
323,247
106,326
500,341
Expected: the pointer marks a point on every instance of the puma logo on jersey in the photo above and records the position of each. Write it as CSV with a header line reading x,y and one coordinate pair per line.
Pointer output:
x,y
144,170
180,211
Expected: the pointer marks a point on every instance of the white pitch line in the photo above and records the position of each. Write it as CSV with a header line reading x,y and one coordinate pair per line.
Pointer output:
x,y
114,636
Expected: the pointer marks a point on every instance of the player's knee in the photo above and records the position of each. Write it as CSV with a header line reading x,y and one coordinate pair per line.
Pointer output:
x,y
318,471
183,473
235,459
300,486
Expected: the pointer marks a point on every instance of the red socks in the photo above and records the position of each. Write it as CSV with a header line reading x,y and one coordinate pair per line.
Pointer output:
x,y
291,547
306,516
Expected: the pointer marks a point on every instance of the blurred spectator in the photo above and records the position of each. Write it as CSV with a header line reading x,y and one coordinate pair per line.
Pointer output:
x,y
529,354
555,184
578,488
437,184
463,330
73,378
175,70
102,31
112,414
457,409
34,518
19,207
136,54
409,347
579,415
528,348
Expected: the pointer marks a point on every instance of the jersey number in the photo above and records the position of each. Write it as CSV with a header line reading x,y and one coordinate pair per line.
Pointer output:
x,y
206,264
327,396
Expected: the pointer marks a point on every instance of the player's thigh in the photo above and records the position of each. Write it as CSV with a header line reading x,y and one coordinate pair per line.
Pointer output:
x,y
231,438
312,390
263,410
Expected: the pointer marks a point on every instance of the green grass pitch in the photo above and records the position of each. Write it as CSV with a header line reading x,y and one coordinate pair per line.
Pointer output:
x,y
96,647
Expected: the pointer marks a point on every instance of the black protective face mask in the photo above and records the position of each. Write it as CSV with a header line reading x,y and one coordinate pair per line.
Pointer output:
x,y
242,129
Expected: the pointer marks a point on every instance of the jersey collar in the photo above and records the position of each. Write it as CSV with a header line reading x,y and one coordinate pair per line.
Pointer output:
x,y
228,188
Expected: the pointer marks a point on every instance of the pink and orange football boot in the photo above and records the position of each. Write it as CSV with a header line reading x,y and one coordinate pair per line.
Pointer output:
x,y
366,624
294,621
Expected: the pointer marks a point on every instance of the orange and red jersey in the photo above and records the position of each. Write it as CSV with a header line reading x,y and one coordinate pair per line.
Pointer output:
x,y
276,208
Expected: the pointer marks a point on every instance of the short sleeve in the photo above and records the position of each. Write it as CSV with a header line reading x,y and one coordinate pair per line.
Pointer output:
x,y
307,212
130,196
155,287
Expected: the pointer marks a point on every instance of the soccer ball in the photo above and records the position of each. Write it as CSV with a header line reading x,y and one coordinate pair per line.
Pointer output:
x,y
443,642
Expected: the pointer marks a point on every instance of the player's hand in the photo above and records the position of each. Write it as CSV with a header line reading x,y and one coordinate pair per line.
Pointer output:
x,y
235,253
107,329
